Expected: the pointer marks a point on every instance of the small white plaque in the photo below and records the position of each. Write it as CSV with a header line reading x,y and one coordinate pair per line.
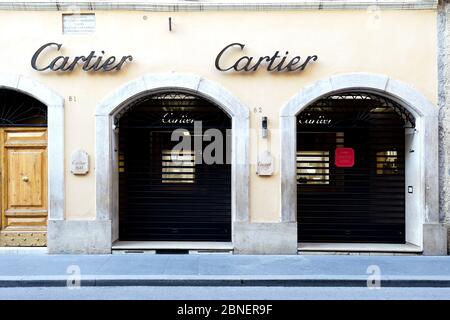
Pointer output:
x,y
265,164
79,162
78,23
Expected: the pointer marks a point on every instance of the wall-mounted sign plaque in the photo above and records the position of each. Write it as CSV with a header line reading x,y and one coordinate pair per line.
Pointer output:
x,y
344,157
79,162
265,164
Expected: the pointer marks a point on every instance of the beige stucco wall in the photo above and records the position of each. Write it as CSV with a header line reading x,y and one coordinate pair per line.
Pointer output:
x,y
401,44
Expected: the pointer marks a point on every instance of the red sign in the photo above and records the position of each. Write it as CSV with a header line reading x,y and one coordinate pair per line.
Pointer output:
x,y
344,157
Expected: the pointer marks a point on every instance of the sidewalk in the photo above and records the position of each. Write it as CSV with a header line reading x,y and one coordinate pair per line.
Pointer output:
x,y
222,270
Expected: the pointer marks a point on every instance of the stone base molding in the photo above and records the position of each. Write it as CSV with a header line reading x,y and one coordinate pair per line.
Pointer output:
x,y
79,236
434,239
265,238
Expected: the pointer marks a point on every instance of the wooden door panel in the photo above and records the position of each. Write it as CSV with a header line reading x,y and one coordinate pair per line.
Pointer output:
x,y
13,137
24,186
25,178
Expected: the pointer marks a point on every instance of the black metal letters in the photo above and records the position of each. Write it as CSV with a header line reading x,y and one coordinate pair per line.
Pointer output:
x,y
91,62
98,62
276,62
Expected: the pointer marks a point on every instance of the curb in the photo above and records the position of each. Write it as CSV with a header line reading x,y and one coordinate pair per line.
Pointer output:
x,y
221,281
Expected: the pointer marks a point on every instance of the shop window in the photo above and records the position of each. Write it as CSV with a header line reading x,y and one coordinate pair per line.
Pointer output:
x,y
178,166
387,162
313,167
340,139
121,162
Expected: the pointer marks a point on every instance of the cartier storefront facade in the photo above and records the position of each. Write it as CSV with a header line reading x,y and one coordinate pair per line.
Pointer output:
x,y
247,127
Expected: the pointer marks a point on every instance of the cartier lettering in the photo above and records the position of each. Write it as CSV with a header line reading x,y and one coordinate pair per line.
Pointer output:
x,y
276,62
171,118
318,120
91,62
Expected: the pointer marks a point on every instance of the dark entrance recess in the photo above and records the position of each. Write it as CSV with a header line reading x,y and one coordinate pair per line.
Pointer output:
x,y
364,202
18,109
167,196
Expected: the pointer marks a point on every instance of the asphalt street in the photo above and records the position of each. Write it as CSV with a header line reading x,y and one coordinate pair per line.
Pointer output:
x,y
223,293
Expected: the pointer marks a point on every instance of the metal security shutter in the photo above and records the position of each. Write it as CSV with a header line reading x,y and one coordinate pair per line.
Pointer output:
x,y
166,196
362,203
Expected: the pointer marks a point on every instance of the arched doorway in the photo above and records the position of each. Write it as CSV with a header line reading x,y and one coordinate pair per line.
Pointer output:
x,y
424,230
351,161
23,150
107,142
174,169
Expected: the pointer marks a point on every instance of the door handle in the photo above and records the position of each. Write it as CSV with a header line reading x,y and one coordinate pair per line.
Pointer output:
x,y
25,179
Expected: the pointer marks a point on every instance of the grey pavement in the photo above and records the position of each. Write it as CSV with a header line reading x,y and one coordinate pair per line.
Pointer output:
x,y
222,270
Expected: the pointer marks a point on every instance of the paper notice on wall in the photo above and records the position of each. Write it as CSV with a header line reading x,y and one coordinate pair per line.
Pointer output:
x,y
78,23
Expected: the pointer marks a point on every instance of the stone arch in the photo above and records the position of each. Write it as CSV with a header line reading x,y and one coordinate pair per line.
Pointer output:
x,y
55,125
430,234
106,205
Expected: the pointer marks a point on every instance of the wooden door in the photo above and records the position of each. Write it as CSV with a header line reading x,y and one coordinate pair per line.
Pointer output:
x,y
24,186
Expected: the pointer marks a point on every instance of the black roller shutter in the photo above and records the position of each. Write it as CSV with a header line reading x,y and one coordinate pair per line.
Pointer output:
x,y
164,197
366,202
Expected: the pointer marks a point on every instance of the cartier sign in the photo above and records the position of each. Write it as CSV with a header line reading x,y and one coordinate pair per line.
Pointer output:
x,y
99,62
91,62
275,62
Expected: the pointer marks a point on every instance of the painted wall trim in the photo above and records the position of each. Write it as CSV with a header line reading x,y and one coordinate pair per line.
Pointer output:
x,y
55,124
427,119
106,175
213,5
